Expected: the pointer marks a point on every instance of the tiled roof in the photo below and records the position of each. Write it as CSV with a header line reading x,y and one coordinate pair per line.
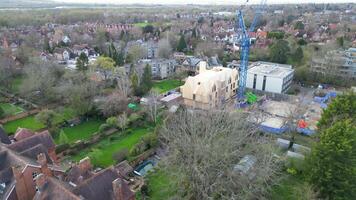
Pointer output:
x,y
43,138
3,137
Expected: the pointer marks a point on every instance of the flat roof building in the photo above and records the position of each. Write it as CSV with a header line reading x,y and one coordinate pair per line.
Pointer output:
x,y
270,77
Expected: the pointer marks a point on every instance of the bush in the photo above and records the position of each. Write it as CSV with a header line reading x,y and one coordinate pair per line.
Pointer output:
x,y
138,149
104,127
62,147
150,140
111,121
121,155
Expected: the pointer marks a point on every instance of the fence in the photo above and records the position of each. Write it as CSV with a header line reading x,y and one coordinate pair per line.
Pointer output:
x,y
19,116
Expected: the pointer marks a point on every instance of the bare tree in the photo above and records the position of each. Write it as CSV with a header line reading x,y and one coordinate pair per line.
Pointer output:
x,y
164,49
152,105
137,52
204,150
122,121
124,84
114,105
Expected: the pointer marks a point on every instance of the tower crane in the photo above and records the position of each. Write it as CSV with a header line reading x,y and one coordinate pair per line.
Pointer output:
x,y
245,42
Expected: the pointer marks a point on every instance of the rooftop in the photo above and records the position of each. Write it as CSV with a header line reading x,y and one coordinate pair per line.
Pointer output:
x,y
270,69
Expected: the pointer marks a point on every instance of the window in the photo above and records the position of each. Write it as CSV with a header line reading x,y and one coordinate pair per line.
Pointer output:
x,y
227,89
229,80
34,175
214,88
254,81
198,83
264,83
193,96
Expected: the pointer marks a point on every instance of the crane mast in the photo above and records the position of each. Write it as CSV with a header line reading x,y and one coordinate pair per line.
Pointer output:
x,y
245,43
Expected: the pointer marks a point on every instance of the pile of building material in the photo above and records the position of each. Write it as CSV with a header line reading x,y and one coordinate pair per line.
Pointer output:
x,y
277,116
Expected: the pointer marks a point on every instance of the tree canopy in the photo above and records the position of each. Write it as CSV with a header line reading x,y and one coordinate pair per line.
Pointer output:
x,y
333,162
279,52
182,45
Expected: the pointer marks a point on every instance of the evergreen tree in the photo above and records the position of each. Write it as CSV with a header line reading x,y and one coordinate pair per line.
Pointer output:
x,y
341,108
332,163
182,45
146,81
298,55
82,62
63,139
279,52
134,83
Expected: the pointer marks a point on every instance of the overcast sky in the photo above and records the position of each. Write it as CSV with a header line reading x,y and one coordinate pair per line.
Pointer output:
x,y
202,1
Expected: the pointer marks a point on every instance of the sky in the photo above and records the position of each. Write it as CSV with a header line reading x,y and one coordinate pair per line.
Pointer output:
x,y
202,1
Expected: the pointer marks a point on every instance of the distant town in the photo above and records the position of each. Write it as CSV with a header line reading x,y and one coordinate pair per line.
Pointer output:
x,y
163,102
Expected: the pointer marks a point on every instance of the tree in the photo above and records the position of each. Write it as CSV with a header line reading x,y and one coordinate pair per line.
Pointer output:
x,y
205,148
135,83
135,53
46,117
114,105
105,65
63,139
341,108
146,81
182,45
164,49
152,105
209,49
279,52
41,80
122,121
82,62
298,55
80,96
332,163
340,41
124,85
299,25
148,29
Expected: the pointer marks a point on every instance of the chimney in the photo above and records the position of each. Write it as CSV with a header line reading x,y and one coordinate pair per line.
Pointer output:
x,y
203,65
85,165
20,186
42,160
41,180
121,190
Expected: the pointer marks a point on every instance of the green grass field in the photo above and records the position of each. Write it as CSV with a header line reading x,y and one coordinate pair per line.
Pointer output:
x,y
290,188
166,85
28,122
11,109
82,131
160,185
108,147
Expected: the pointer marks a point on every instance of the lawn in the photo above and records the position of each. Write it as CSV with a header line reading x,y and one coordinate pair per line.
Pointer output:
x,y
82,131
28,122
166,85
111,145
160,185
11,109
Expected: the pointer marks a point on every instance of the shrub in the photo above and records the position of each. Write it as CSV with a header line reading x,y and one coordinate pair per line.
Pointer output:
x,y
111,121
138,149
62,147
150,140
121,155
104,127
63,139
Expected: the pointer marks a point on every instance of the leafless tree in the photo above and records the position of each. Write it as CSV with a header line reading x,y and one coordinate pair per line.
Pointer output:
x,y
137,52
114,105
164,49
205,146
152,105
124,84
122,121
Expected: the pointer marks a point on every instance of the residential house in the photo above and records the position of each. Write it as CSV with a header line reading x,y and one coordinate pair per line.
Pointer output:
x,y
191,63
210,88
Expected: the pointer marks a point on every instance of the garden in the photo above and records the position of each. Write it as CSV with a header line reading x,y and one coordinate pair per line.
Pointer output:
x,y
166,85
10,109
82,131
